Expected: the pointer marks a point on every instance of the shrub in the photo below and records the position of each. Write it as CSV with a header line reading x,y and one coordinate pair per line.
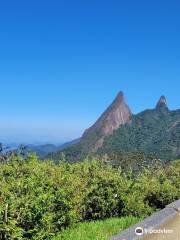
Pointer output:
x,y
40,198
104,190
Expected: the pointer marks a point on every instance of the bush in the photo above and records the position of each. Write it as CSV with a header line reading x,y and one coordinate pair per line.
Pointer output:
x,y
40,198
104,190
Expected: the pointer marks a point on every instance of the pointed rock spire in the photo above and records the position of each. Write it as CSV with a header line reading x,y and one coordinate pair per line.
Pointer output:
x,y
120,96
118,113
162,103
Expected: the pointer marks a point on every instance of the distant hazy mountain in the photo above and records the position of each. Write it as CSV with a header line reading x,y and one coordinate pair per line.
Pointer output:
x,y
45,149
152,132
42,150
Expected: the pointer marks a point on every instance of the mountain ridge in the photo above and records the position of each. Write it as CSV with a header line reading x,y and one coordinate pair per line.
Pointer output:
x,y
151,132
118,113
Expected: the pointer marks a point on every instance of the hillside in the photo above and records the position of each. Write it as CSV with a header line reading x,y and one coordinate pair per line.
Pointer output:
x,y
117,114
42,150
152,133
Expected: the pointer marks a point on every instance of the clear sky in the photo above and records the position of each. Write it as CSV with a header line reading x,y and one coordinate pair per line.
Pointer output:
x,y
62,62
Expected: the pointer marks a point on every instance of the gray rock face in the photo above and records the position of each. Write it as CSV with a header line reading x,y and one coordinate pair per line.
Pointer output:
x,y
162,102
118,113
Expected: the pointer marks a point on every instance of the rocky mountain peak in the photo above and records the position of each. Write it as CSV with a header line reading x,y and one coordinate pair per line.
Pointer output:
x,y
120,96
118,113
162,103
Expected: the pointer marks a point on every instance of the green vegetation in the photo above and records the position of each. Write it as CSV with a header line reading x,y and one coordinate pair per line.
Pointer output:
x,y
39,199
152,132
98,230
79,151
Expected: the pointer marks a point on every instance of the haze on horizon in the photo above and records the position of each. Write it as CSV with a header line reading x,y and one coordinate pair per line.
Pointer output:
x,y
62,63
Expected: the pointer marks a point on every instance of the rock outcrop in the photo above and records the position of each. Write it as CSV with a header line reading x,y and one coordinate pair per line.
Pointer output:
x,y
117,114
162,103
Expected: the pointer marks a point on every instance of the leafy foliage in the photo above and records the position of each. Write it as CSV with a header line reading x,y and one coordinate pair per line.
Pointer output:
x,y
152,132
40,198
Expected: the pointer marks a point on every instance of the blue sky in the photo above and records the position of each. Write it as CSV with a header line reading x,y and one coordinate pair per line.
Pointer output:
x,y
63,62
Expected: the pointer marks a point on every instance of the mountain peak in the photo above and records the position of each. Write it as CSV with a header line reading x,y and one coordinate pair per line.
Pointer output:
x,y
118,113
120,95
162,103
118,100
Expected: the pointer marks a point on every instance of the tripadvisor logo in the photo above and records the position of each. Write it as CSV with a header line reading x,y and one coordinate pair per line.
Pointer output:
x,y
139,231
